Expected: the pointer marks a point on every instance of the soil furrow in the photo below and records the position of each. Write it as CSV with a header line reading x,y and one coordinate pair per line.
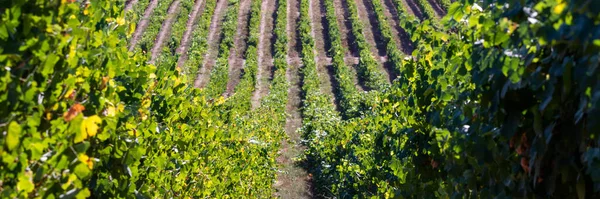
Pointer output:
x,y
265,56
316,23
370,24
406,43
189,29
142,25
293,15
294,181
372,34
387,11
129,4
239,46
213,39
165,31
413,8
439,11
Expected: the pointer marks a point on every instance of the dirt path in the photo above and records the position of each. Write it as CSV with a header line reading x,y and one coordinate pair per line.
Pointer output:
x,y
293,181
236,54
165,31
406,43
439,11
317,22
293,15
265,56
142,25
129,4
182,50
213,44
413,8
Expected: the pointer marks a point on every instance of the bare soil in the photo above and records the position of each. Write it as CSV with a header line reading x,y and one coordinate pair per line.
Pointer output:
x,y
213,44
143,24
165,31
182,50
239,45
406,43
293,16
373,37
265,56
371,29
345,25
393,23
294,181
129,4
439,11
413,8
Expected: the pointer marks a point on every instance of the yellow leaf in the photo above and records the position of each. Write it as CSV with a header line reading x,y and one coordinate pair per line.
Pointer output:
x,y
131,29
120,21
89,126
558,9
87,160
111,111
221,100
146,103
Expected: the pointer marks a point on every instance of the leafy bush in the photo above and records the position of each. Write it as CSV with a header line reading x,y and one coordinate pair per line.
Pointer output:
x,y
86,118
500,103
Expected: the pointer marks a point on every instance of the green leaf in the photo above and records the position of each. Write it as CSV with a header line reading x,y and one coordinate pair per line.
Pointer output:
x,y
25,183
13,136
3,32
446,97
85,193
82,170
49,64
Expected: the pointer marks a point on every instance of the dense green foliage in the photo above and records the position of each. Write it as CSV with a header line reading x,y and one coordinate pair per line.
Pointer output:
x,y
281,37
499,99
505,106
85,117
